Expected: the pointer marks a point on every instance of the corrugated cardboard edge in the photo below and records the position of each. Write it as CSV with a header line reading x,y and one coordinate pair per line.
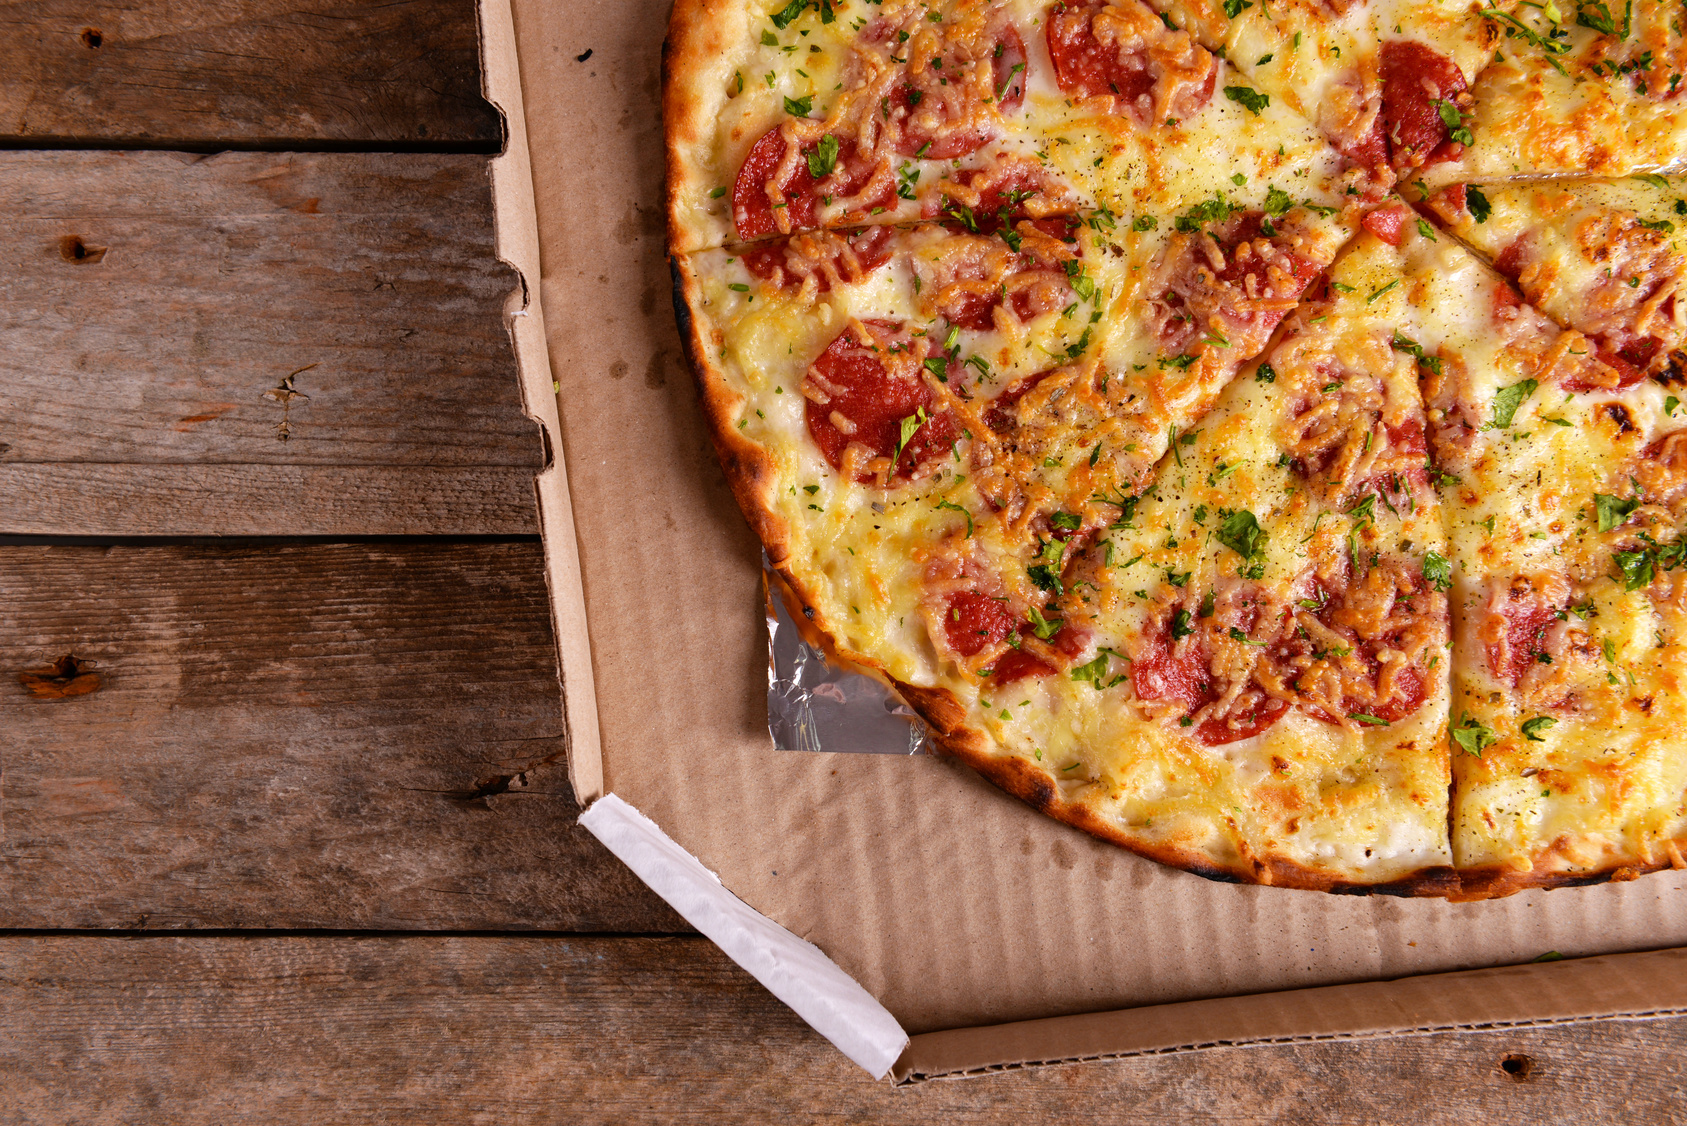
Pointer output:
x,y
1609,986
516,227
797,972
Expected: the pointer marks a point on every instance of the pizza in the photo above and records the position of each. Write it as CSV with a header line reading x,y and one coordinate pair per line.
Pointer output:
x,y
1242,430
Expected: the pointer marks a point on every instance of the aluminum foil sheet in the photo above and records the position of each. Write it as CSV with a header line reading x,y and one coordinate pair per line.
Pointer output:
x,y
815,705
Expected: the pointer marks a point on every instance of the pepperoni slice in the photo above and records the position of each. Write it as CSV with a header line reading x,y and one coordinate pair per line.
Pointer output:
x,y
1092,62
996,415
1000,194
938,111
756,212
1414,79
853,397
1158,675
1387,223
827,256
1216,731
975,622
1017,664
1410,441
1513,258
1159,672
1255,265
970,277
1622,374
1526,622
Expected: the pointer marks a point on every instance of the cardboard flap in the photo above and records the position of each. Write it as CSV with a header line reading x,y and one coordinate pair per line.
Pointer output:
x,y
1618,985
516,226
794,971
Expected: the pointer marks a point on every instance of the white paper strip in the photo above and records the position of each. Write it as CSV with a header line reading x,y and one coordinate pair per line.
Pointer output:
x,y
793,970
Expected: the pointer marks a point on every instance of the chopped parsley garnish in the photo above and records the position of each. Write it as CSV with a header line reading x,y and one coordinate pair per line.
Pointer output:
x,y
1454,121
1652,178
1096,671
953,507
824,158
1241,533
1144,223
1367,720
1415,350
1278,202
1265,373
1508,400
1438,572
1554,43
1426,230
1246,96
1471,737
1613,510
1376,293
1533,727
1081,283
1234,8
800,107
1180,624
1044,628
1045,572
1596,15
782,18
908,427
1214,210
1066,521
1477,203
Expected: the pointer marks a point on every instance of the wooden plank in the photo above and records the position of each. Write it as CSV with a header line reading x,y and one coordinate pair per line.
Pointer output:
x,y
154,305
250,73
258,500
613,1030
334,736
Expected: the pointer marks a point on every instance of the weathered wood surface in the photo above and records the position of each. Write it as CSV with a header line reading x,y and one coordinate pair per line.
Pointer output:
x,y
294,737
612,1030
153,306
273,74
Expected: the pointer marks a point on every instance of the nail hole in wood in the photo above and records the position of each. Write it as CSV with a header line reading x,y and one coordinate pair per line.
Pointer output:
x,y
70,675
1518,1066
73,249
91,38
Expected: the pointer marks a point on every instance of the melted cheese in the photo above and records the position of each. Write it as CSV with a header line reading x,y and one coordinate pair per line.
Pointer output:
x,y
1587,110
1606,258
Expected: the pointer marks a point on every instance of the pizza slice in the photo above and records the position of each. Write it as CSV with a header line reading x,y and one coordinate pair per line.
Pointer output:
x,y
1589,88
1559,481
1603,257
1386,80
1276,600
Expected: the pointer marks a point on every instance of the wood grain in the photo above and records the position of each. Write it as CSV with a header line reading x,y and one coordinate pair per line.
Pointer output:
x,y
296,74
614,1030
154,304
263,500
336,736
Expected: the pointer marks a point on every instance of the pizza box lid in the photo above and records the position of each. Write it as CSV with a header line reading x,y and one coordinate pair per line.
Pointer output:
x,y
926,923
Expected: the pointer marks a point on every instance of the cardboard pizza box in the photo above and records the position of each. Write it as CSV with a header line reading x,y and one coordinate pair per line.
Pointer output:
x,y
926,923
